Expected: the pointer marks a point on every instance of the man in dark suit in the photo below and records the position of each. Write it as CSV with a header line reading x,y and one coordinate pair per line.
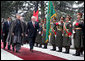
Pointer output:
x,y
6,26
17,33
31,31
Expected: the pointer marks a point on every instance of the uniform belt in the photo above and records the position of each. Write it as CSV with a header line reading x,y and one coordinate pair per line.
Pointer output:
x,y
78,28
60,29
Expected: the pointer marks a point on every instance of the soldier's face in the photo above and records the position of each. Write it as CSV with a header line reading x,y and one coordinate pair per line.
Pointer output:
x,y
67,18
62,18
78,16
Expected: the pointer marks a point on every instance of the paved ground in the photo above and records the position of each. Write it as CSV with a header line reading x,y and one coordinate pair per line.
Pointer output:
x,y
8,56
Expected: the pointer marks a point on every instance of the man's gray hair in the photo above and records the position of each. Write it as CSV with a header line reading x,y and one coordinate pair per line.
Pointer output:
x,y
33,17
18,14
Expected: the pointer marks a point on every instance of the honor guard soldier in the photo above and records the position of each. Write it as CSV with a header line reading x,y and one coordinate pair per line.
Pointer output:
x,y
59,36
53,34
67,34
78,34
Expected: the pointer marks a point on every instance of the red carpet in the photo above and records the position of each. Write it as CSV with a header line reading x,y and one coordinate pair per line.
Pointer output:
x,y
25,54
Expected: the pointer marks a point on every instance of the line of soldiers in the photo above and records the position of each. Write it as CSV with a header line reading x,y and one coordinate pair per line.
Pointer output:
x,y
61,33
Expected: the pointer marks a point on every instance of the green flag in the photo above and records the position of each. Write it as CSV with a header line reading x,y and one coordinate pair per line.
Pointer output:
x,y
51,13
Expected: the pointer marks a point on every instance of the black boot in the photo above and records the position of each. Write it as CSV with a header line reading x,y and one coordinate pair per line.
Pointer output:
x,y
45,46
81,51
40,46
67,50
77,53
60,49
54,48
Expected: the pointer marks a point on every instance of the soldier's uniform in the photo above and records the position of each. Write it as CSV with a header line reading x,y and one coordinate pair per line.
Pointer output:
x,y
78,36
39,37
52,36
44,36
59,37
67,35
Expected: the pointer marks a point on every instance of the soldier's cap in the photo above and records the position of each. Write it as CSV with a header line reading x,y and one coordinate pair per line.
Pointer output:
x,y
68,16
62,17
79,13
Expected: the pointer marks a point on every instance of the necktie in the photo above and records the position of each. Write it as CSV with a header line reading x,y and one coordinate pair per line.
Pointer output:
x,y
34,25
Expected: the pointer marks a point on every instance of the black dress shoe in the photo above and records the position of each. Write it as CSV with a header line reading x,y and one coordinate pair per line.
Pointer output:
x,y
31,50
9,49
53,49
17,52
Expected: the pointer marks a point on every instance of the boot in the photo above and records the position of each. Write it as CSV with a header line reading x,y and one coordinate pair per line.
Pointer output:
x,y
40,45
45,46
81,51
54,48
77,53
60,49
67,50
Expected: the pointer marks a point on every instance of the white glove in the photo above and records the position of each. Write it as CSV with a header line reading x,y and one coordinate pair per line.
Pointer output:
x,y
55,35
74,31
39,32
62,34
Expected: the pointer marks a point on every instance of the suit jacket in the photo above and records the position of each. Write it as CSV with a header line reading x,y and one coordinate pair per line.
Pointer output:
x,y
17,29
30,30
5,30
6,27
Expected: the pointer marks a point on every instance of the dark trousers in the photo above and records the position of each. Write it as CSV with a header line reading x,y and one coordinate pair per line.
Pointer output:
x,y
4,43
4,40
31,42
